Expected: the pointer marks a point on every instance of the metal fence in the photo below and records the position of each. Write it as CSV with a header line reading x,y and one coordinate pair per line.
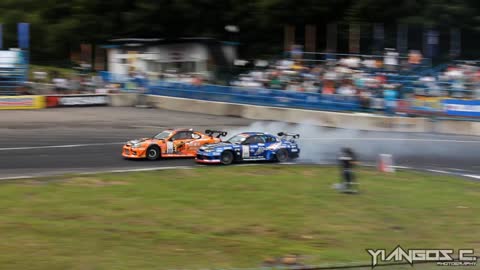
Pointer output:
x,y
263,97
417,103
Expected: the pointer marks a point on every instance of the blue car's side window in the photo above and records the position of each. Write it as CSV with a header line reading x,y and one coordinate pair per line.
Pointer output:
x,y
256,146
267,141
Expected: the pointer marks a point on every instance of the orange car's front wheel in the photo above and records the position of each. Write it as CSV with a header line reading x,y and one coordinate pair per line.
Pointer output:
x,y
153,153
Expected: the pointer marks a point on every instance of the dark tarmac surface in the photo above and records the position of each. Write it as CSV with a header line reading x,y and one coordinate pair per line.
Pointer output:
x,y
58,141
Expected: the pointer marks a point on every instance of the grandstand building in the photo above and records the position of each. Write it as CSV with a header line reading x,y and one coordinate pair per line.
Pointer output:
x,y
13,71
156,56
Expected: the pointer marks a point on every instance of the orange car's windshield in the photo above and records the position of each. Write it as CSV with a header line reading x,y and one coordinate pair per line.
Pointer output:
x,y
162,135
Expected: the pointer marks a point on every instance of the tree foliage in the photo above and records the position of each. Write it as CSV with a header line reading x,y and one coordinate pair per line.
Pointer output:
x,y
57,26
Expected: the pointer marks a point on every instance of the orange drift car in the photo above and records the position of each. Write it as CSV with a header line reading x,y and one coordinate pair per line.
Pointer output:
x,y
171,143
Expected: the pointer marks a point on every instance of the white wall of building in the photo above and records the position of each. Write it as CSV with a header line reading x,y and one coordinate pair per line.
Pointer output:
x,y
117,61
191,56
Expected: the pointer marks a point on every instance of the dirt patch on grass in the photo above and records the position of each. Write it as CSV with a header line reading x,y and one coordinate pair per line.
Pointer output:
x,y
31,182
93,182
259,171
310,173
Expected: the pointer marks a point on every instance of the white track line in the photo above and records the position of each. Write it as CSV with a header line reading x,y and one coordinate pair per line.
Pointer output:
x,y
148,126
472,176
16,177
144,169
58,146
439,171
98,172
458,170
402,167
316,139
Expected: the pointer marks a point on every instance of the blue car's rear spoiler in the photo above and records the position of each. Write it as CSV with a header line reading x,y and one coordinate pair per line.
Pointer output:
x,y
286,134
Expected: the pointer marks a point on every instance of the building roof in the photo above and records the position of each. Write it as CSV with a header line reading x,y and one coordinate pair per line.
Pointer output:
x,y
145,42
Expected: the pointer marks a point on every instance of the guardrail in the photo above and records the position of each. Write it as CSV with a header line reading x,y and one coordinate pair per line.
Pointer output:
x,y
420,106
262,97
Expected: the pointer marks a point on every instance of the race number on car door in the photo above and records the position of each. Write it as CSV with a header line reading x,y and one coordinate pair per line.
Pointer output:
x,y
245,151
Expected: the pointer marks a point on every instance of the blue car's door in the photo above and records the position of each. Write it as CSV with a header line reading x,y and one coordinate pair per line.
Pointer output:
x,y
254,148
269,141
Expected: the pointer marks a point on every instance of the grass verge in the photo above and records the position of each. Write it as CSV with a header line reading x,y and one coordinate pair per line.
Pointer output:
x,y
216,217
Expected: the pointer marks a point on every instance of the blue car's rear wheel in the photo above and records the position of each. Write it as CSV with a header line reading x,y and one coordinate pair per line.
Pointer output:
x,y
282,155
226,158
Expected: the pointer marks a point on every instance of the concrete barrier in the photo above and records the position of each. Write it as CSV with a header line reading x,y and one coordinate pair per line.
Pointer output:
x,y
338,120
457,127
320,118
196,106
123,100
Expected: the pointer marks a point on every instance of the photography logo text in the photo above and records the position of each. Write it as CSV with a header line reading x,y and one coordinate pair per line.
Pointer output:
x,y
443,257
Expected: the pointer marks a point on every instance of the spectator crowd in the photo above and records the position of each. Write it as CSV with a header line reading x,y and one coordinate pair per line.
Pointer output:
x,y
377,82
367,77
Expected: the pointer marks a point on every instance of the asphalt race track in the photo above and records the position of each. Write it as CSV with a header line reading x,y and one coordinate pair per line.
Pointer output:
x,y
68,140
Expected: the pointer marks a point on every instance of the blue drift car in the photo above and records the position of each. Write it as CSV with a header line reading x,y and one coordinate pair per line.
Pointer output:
x,y
251,146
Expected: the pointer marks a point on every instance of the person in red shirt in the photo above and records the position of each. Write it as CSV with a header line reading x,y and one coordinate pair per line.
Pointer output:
x,y
328,87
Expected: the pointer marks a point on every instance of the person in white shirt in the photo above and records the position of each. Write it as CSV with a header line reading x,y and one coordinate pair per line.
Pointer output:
x,y
346,90
61,85
391,60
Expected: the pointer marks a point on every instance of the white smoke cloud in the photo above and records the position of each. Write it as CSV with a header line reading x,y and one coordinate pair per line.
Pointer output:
x,y
317,144
321,145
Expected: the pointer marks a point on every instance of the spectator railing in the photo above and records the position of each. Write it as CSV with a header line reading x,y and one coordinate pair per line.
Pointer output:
x,y
414,100
263,97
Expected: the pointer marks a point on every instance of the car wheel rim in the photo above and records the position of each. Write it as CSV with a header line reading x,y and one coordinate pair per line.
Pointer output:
x,y
226,158
152,153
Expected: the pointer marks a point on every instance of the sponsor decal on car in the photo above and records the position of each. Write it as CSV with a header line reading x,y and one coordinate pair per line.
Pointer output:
x,y
274,146
170,147
245,151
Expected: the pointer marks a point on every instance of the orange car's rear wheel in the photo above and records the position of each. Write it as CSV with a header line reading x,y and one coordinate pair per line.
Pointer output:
x,y
153,153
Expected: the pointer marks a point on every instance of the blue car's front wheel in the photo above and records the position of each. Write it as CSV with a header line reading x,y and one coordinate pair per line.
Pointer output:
x,y
226,158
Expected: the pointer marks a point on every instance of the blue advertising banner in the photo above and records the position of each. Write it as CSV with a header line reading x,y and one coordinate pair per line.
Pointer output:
x,y
23,35
1,36
458,107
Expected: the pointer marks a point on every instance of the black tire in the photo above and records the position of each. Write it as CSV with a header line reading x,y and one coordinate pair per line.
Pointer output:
x,y
153,153
226,158
293,156
282,155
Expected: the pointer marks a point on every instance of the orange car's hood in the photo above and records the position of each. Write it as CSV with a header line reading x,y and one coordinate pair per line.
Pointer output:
x,y
142,140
